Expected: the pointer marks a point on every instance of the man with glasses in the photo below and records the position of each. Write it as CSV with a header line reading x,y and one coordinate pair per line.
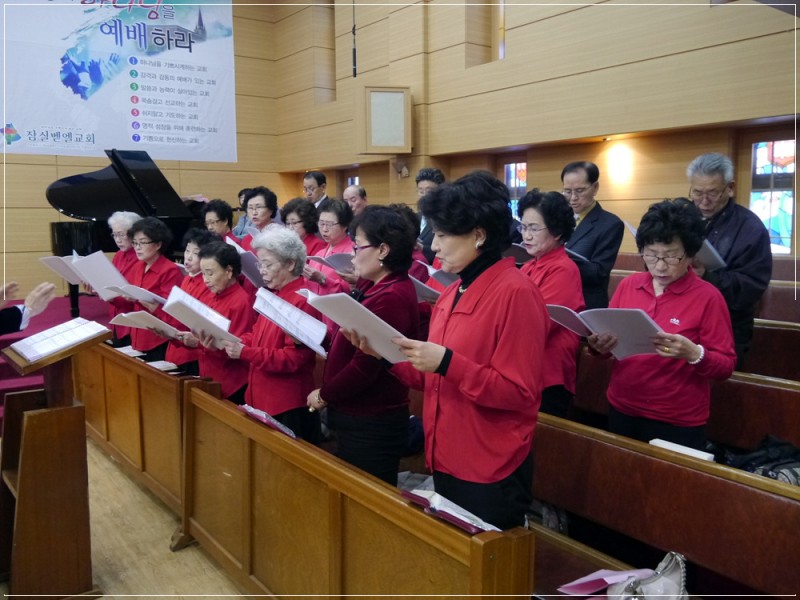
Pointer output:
x,y
428,178
598,233
314,184
739,237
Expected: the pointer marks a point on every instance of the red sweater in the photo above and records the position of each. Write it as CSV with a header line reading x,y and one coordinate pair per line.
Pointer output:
x,y
281,373
232,303
313,244
479,418
160,278
124,262
558,278
177,353
668,389
360,385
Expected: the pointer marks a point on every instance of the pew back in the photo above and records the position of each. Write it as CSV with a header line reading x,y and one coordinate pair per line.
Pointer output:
x,y
284,517
739,525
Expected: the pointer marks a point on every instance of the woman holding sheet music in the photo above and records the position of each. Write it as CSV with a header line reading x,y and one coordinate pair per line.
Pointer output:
x,y
547,222
333,222
667,394
120,222
481,366
281,371
367,406
155,273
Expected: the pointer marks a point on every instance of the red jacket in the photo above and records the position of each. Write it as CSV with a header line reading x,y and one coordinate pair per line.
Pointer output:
x,y
177,353
558,278
124,262
281,373
479,418
232,303
160,278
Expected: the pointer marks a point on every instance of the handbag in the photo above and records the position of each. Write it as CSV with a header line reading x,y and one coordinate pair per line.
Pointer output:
x,y
668,582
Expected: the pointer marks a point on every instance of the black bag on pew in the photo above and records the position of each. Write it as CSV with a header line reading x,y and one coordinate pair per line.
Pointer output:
x,y
774,458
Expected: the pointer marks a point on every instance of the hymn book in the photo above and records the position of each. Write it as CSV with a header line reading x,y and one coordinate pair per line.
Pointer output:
x,y
340,262
293,321
349,314
709,257
62,265
267,419
439,506
518,253
633,327
99,273
250,268
136,292
199,317
442,277
424,293
144,320
58,338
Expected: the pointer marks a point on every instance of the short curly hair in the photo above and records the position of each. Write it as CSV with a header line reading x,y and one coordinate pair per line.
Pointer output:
x,y
669,219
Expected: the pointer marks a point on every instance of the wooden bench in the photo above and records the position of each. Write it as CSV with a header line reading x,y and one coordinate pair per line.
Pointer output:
x,y
738,525
284,517
135,412
744,408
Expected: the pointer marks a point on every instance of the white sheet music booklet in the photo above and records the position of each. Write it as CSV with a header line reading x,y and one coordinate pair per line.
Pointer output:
x,y
292,320
198,317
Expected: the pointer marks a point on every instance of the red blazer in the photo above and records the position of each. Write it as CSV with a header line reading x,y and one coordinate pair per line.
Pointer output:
x,y
234,304
124,262
281,373
479,418
177,353
313,244
160,278
558,278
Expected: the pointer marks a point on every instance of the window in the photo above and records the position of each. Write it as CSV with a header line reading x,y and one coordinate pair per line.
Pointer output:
x,y
772,190
515,176
352,180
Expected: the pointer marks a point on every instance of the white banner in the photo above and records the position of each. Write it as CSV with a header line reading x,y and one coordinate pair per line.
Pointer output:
x,y
155,75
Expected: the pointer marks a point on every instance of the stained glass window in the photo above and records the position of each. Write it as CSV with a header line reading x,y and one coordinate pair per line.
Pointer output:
x,y
772,190
515,176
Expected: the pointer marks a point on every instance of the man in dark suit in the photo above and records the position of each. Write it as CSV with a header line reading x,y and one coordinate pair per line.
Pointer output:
x,y
315,188
598,233
15,318
428,178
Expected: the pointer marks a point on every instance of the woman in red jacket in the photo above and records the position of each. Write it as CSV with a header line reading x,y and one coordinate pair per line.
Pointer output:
x,y
301,216
281,371
481,366
367,406
120,222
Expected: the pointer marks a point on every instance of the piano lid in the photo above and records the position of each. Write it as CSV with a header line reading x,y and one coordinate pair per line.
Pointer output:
x,y
132,183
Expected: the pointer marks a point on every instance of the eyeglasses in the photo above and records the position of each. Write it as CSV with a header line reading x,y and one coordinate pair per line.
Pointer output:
x,y
712,195
141,243
357,249
522,228
119,235
293,223
309,189
256,207
267,266
575,192
212,223
325,224
671,261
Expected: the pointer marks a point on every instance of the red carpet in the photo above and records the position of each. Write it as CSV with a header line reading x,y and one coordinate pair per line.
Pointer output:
x,y
58,311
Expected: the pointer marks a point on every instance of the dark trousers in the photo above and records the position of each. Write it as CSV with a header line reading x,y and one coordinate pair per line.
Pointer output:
x,y
304,424
502,503
642,429
371,443
157,353
556,401
237,397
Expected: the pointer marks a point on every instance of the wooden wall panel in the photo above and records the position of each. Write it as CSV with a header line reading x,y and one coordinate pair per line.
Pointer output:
x,y
25,185
366,15
245,9
371,37
28,272
255,77
29,230
253,39
406,29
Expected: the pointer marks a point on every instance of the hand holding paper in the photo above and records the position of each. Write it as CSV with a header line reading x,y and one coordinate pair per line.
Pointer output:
x,y
424,356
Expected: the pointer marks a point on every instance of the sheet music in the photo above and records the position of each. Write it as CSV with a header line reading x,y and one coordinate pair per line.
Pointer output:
x,y
518,253
137,293
239,249
709,257
100,273
53,340
62,265
249,264
442,277
633,327
198,317
631,228
349,314
294,321
338,262
439,504
424,292
576,256
144,320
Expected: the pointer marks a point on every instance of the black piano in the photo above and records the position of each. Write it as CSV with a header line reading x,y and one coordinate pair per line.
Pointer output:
x,y
132,182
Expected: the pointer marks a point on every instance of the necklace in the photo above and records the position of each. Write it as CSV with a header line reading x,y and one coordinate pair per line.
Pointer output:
x,y
462,289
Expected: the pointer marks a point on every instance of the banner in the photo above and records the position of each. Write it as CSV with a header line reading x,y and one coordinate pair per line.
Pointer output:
x,y
155,75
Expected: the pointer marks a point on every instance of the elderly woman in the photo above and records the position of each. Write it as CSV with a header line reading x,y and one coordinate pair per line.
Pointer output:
x,y
281,372
481,366
120,222
546,224
300,216
218,217
667,394
155,272
367,406
220,266
334,219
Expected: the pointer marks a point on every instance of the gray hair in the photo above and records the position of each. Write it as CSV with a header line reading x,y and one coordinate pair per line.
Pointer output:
x,y
359,189
123,219
711,164
283,243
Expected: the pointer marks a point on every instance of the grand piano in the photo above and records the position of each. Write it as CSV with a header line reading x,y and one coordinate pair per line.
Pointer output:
x,y
132,182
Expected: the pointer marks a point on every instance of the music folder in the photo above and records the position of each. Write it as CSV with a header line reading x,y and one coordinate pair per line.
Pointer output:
x,y
439,506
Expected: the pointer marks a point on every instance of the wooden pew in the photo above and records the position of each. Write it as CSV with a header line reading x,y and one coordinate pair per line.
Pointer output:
x,y
775,350
135,413
744,408
284,517
738,525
